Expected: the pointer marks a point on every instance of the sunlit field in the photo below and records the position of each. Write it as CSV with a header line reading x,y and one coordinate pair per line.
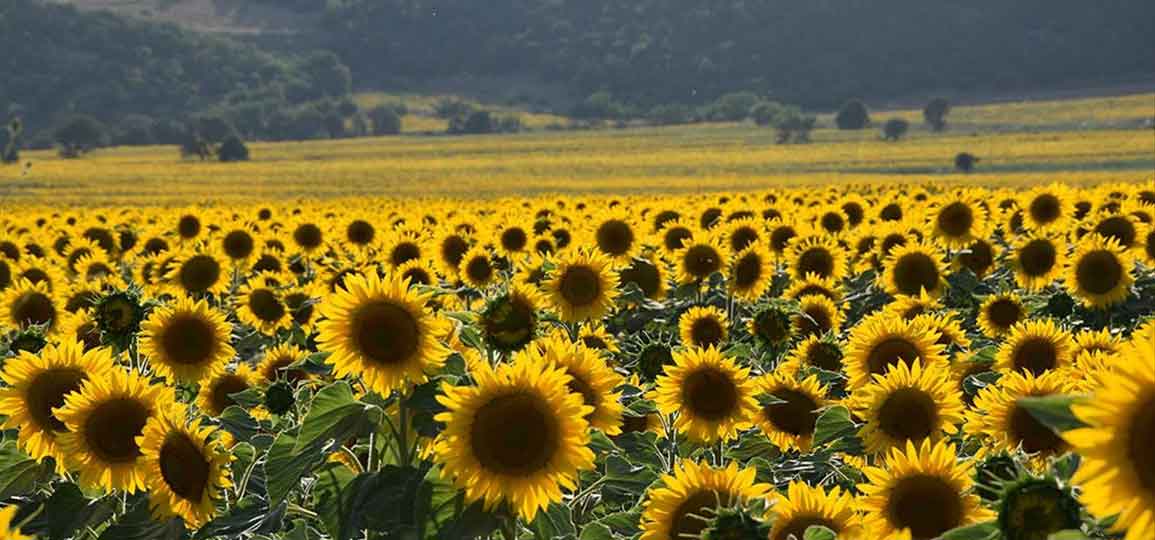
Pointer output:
x,y
682,333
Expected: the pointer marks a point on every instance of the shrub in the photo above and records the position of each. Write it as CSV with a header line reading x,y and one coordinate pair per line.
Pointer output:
x,y
935,113
385,120
233,149
894,129
78,135
852,115
793,125
733,107
965,162
671,115
763,113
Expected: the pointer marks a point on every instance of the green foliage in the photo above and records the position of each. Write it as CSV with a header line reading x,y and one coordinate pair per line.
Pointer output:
x,y
233,149
852,115
80,134
894,129
386,120
934,114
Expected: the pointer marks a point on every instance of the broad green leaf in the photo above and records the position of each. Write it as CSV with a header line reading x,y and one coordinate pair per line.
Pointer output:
x,y
384,501
243,519
835,427
335,415
624,481
284,467
987,530
18,472
596,531
239,423
554,522
138,524
1053,411
1069,535
818,532
66,511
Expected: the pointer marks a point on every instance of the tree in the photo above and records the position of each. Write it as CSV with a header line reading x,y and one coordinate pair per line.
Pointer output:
x,y
10,141
894,129
78,135
233,150
852,115
793,125
215,128
764,112
134,129
965,162
935,113
385,120
733,107
195,146
477,123
672,114
599,104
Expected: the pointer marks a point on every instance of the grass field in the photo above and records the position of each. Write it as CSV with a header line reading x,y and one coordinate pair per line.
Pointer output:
x,y
1079,141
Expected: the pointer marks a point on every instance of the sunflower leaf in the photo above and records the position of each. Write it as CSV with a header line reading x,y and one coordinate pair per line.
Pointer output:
x,y
335,416
1053,411
65,512
987,530
596,531
555,522
138,524
18,472
818,532
382,501
239,423
835,427
1068,535
285,467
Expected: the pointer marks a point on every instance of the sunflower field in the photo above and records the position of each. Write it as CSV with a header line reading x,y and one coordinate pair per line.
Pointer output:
x,y
884,361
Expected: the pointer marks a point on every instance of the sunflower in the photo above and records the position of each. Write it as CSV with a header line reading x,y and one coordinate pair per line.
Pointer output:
x,y
909,307
1000,313
615,236
27,304
919,493
403,247
814,352
103,420
477,268
697,261
816,255
958,219
451,247
712,396
187,469
216,392
789,420
779,235
83,328
417,272
308,237
261,307
597,338
999,416
198,273
703,327
1099,272
302,305
805,506
8,529
1091,342
590,377
1047,208
978,256
1126,230
878,343
817,315
518,436
509,321
277,364
359,233
674,235
186,341
379,330
908,404
649,275
750,273
35,384
238,244
814,284
1036,346
583,287
952,336
1117,473
1037,260
912,269
682,507
1035,508
771,325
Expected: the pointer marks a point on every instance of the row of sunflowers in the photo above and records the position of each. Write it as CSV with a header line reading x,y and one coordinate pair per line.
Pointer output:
x,y
875,362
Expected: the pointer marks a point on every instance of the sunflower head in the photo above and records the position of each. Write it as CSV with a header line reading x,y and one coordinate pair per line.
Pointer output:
x,y
583,287
703,327
1036,508
878,343
118,315
689,499
999,314
913,269
187,469
1099,272
790,413
590,377
712,396
187,340
771,325
509,321
1036,346
804,506
908,404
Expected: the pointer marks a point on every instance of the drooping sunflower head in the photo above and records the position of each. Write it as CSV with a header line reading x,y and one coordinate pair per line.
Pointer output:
x,y
712,396
1000,313
379,329
583,286
750,273
771,325
1099,272
804,506
878,343
103,419
1036,346
999,416
703,326
590,377
509,321
817,315
919,492
814,352
908,404
518,436
687,499
1035,508
913,269
187,468
790,414
35,384
186,340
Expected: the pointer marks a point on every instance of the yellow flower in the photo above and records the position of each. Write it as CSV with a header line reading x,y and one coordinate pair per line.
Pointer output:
x,y
712,397
680,508
186,341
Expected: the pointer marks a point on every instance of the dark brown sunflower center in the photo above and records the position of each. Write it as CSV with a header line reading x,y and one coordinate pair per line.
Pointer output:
x,y
695,512
46,392
152,246
780,238
772,326
453,249
1036,355
891,212
479,270
514,435
890,352
580,286
635,424
188,227
5,275
307,236
385,333
854,212
266,306
33,308
956,219
614,237
710,394
707,331
701,261
927,505
404,252
360,232
579,385
111,429
816,260
1035,510
1034,436
915,272
595,342
814,320
747,271
36,275
189,340
221,396
710,218
514,239
301,307
1099,272
199,273
509,323
832,222
1140,442
267,263
238,244
978,258
742,238
664,217
796,416
1038,257
1004,313
417,276
1120,228
908,414
1045,208
797,525
184,467
645,275
825,355
97,271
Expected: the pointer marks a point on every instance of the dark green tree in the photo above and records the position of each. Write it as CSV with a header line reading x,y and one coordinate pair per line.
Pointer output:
x,y
233,149
935,113
965,162
79,135
385,120
894,129
10,141
852,115
763,113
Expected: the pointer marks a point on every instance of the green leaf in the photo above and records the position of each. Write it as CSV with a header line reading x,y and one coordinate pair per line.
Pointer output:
x,y
472,522
239,423
987,530
1053,411
66,511
285,467
422,406
818,532
750,445
138,524
244,519
18,472
1068,535
623,523
248,398
555,522
624,481
335,416
834,427
596,531
384,501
